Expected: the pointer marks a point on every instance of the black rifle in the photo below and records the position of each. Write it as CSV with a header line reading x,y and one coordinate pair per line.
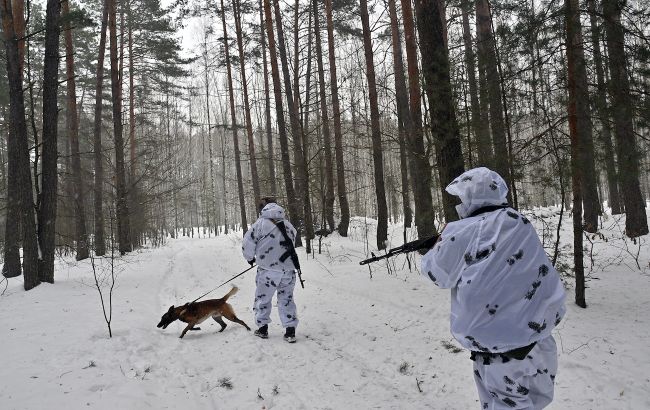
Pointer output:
x,y
420,244
291,250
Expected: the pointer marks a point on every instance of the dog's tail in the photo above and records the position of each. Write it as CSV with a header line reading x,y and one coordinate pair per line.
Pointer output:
x,y
229,294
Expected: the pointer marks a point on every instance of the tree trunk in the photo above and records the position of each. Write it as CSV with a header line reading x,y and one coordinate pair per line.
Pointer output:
x,y
296,126
603,114
212,200
305,109
18,13
233,118
72,122
572,17
249,124
328,203
49,170
587,168
418,156
377,156
12,267
279,111
338,134
98,198
132,142
18,152
481,132
437,84
636,222
122,214
296,61
37,145
405,123
225,189
487,61
304,116
267,105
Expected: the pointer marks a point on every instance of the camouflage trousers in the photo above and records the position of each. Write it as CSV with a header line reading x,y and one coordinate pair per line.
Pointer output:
x,y
268,283
518,384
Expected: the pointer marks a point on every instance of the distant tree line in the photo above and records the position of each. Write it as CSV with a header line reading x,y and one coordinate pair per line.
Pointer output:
x,y
341,108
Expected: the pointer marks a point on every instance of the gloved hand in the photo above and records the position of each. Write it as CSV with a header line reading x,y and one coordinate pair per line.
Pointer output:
x,y
251,262
429,242
424,245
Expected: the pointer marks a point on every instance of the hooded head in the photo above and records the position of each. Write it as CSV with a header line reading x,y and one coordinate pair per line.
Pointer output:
x,y
265,200
477,188
272,211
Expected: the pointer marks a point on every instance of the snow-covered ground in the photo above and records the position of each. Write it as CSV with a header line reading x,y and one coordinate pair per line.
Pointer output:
x,y
363,342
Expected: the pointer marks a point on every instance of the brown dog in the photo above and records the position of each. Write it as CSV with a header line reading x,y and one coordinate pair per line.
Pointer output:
x,y
195,313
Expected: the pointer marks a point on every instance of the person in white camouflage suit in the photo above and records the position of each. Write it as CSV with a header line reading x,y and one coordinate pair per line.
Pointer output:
x,y
265,244
506,297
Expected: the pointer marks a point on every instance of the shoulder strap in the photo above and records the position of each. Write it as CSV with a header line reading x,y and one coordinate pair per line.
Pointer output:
x,y
487,209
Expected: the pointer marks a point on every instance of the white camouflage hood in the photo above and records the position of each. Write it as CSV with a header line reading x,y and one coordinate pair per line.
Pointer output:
x,y
272,211
477,188
265,243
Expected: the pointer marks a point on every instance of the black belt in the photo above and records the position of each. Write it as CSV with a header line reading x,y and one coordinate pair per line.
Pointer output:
x,y
519,353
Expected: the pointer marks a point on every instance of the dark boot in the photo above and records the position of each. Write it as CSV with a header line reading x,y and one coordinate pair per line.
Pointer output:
x,y
262,332
290,335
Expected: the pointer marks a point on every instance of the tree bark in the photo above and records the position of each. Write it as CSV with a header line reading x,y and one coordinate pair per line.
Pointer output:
x,y
603,113
279,111
18,151
576,55
72,122
12,267
233,118
481,132
18,13
49,166
418,156
212,200
122,214
267,105
405,123
296,127
98,189
328,205
132,142
578,134
304,116
487,61
338,134
636,222
437,85
377,156
247,112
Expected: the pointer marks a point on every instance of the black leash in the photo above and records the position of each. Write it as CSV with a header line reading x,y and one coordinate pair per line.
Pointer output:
x,y
233,278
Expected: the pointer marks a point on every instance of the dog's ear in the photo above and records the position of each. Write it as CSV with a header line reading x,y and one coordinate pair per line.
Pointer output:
x,y
171,308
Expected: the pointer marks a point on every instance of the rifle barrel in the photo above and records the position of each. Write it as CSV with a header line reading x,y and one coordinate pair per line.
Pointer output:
x,y
378,258
405,248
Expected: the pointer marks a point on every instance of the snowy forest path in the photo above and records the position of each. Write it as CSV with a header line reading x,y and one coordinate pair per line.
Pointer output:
x,y
347,345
